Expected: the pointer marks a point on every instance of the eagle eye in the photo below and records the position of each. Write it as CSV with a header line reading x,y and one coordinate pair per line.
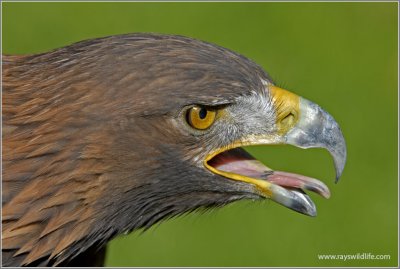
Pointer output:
x,y
200,117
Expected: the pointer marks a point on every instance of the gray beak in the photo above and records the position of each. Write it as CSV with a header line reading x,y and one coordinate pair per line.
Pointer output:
x,y
317,129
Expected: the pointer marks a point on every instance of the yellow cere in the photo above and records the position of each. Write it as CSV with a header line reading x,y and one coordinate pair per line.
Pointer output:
x,y
287,106
200,117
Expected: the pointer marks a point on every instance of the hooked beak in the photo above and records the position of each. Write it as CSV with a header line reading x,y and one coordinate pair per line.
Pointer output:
x,y
300,123
318,129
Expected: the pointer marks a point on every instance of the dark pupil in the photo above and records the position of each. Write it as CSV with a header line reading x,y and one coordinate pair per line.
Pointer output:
x,y
202,113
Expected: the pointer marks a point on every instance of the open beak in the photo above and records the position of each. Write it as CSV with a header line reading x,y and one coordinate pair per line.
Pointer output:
x,y
300,123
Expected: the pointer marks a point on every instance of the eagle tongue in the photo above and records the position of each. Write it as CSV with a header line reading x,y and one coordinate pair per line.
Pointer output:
x,y
239,161
296,181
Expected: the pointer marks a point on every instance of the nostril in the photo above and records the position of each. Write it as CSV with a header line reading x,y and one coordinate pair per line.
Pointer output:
x,y
288,119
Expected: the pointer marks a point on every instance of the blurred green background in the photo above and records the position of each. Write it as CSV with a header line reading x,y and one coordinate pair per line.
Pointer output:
x,y
343,56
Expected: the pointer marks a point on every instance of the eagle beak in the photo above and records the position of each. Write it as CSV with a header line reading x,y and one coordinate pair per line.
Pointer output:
x,y
303,124
314,128
318,129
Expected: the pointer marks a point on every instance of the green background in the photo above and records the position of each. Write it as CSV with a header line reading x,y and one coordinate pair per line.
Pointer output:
x,y
342,56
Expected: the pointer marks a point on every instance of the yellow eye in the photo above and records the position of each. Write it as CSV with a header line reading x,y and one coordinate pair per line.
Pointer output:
x,y
200,117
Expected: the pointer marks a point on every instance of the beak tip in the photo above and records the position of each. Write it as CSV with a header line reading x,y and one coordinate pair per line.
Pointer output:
x,y
296,200
314,214
310,211
340,162
339,172
338,150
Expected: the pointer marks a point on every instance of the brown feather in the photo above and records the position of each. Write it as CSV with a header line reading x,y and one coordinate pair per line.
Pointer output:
x,y
89,150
